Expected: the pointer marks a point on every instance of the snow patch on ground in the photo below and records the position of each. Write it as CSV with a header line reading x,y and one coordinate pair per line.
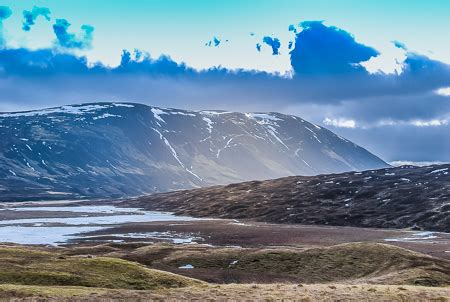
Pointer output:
x,y
438,171
414,237
69,109
156,113
263,116
208,112
314,134
175,155
209,123
105,115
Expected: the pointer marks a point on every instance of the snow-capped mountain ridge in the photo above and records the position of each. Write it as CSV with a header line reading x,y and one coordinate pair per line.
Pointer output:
x,y
123,149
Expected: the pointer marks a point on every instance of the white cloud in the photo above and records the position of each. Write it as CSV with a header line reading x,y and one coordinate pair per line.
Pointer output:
x,y
444,91
430,123
350,123
415,163
389,61
416,123
340,123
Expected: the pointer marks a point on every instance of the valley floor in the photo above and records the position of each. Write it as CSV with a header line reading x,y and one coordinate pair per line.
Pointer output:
x,y
247,234
176,258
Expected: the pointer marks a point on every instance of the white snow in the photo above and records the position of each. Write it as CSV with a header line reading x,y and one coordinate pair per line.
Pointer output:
x,y
186,266
208,112
438,171
72,109
29,166
174,112
156,113
123,105
209,123
314,134
274,133
414,237
174,154
263,116
105,115
227,145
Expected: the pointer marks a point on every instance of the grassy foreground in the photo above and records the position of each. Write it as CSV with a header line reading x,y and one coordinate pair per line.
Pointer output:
x,y
350,272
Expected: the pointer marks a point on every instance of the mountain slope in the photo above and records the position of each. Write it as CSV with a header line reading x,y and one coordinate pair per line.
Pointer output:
x,y
115,150
400,197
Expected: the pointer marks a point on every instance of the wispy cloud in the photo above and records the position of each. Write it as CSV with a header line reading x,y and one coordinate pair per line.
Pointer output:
x,y
340,122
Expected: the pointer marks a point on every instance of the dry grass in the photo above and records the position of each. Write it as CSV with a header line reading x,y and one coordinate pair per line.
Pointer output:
x,y
234,292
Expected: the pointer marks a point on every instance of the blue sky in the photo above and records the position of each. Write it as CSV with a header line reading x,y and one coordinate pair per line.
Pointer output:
x,y
342,70
180,28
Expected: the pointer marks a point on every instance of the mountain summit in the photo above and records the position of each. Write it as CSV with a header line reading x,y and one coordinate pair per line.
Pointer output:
x,y
101,150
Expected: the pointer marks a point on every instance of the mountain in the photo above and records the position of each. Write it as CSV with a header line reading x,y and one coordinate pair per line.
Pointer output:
x,y
101,150
402,197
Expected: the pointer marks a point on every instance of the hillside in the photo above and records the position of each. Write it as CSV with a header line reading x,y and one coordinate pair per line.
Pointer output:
x,y
402,197
109,150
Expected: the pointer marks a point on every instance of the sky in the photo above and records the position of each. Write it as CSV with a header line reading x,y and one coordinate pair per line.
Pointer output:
x,y
376,72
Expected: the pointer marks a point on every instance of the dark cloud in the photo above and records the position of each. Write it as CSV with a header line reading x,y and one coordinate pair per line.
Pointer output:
x,y
5,12
31,16
321,49
274,43
215,42
70,40
292,28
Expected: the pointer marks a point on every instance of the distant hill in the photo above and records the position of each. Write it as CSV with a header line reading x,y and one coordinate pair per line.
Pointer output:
x,y
107,150
402,197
